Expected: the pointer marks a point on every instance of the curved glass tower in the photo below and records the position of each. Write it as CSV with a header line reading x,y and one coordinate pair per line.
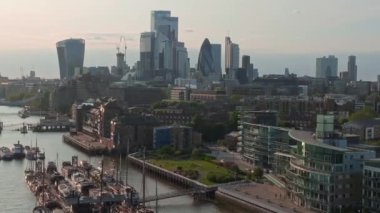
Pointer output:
x,y
70,57
206,62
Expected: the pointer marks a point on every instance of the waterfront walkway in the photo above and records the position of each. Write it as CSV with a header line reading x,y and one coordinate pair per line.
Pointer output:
x,y
264,196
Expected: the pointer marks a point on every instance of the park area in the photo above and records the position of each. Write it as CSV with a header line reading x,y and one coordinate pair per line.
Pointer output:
x,y
206,172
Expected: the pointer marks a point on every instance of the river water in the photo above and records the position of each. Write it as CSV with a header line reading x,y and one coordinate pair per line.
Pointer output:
x,y
15,196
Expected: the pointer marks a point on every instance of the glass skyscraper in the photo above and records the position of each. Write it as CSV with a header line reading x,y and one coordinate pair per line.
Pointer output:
x,y
70,57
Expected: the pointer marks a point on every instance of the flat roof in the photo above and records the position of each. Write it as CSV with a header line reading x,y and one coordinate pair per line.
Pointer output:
x,y
373,163
307,137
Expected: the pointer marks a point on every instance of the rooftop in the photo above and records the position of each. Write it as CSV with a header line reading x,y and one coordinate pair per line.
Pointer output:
x,y
309,138
363,123
373,163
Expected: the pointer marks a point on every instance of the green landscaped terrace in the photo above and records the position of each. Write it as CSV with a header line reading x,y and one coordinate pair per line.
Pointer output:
x,y
203,167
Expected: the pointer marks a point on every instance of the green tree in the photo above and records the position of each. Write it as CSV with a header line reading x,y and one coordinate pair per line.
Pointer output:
x,y
258,172
365,113
233,121
196,153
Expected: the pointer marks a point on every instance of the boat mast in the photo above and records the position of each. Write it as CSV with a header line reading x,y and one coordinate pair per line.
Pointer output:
x,y
143,179
119,160
101,184
127,164
156,196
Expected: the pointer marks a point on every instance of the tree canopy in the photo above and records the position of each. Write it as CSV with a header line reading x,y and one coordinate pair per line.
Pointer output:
x,y
365,113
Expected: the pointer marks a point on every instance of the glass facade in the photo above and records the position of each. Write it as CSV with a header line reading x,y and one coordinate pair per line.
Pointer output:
x,y
70,56
261,142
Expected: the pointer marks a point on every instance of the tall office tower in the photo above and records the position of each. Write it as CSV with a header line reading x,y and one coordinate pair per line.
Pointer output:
x,y
327,67
352,68
206,64
120,63
183,61
147,45
166,29
216,50
246,64
209,60
70,57
231,56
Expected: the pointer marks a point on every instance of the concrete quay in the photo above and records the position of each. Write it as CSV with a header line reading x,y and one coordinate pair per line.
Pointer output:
x,y
88,144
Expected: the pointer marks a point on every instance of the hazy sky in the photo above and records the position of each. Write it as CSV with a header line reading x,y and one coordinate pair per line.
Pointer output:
x,y
266,29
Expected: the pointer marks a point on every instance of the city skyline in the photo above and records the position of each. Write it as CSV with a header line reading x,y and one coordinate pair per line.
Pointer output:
x,y
349,28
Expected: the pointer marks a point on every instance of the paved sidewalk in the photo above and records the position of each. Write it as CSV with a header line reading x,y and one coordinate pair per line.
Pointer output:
x,y
270,197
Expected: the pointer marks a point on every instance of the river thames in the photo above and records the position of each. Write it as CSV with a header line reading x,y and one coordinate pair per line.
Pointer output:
x,y
15,196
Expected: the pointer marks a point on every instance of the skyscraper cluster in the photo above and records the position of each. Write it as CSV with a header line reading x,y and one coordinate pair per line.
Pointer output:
x,y
162,56
327,67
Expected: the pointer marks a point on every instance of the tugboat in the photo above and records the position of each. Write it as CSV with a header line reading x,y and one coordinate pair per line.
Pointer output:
x,y
18,151
5,153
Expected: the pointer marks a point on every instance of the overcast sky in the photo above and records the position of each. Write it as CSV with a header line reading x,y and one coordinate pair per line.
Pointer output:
x,y
30,28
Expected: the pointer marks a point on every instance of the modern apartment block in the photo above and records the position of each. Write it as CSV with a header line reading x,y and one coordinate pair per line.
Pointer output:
x,y
319,171
323,173
261,142
371,186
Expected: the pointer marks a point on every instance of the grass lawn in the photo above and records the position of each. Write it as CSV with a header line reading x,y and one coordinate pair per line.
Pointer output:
x,y
374,143
203,167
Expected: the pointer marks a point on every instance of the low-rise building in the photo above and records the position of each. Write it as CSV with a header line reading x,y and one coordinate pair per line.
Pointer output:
x,y
208,96
368,129
176,136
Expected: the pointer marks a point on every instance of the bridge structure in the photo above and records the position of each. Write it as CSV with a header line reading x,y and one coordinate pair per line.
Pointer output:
x,y
16,126
20,103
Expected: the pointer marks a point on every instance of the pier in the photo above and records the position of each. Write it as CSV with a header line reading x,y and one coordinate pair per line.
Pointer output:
x,y
88,144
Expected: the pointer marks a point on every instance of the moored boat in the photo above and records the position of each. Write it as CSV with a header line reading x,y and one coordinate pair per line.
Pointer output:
x,y
5,153
18,151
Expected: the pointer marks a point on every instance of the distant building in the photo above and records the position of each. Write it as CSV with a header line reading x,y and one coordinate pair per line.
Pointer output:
x,y
344,76
209,61
366,129
147,45
186,82
248,66
327,67
208,96
371,186
180,94
217,56
232,57
176,136
378,83
352,68
70,56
